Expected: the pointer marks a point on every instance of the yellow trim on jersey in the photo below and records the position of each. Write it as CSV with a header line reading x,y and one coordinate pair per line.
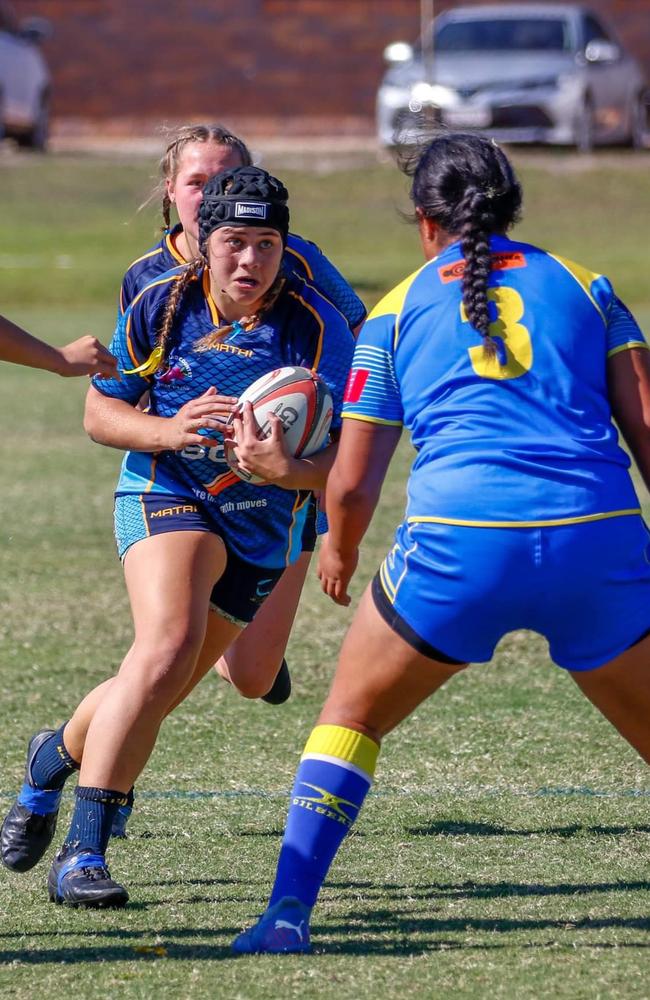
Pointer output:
x,y
145,256
319,320
303,261
627,347
553,522
152,474
393,303
212,305
372,420
346,744
171,246
584,277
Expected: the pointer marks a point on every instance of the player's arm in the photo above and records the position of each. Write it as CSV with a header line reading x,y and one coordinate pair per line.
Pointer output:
x,y
86,356
353,490
118,423
628,377
629,394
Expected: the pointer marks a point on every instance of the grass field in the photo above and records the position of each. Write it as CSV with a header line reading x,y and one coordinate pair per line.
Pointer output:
x,y
505,849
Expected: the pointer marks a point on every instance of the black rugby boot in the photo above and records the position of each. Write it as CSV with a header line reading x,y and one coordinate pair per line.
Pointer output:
x,y
82,879
29,826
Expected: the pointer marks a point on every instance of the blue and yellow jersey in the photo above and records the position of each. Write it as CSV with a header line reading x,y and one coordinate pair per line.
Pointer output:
x,y
524,439
301,257
262,524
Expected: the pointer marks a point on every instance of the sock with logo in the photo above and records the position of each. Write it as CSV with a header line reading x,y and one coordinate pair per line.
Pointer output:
x,y
49,768
333,779
92,819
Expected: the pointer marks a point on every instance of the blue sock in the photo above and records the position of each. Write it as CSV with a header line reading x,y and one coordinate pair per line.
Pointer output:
x,y
333,779
52,764
92,819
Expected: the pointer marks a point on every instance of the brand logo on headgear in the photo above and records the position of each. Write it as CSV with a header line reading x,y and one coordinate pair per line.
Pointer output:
x,y
251,210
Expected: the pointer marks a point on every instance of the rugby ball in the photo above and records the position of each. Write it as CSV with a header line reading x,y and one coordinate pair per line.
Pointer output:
x,y
303,404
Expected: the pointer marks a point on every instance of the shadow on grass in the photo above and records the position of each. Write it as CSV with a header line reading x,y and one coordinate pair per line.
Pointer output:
x,y
455,828
398,929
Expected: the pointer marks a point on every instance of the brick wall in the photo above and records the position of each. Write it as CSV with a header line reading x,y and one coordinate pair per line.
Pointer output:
x,y
178,59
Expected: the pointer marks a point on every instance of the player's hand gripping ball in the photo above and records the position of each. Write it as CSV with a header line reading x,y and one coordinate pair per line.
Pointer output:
x,y
303,404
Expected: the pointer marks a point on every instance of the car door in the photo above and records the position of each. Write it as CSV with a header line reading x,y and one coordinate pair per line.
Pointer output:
x,y
608,75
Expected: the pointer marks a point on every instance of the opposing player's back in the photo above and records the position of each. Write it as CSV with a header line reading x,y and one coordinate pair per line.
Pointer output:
x,y
536,412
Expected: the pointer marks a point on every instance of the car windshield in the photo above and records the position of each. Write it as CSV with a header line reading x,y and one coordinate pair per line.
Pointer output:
x,y
504,35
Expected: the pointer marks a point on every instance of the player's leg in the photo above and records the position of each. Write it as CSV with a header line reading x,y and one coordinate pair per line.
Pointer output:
x,y
380,679
169,579
252,663
621,691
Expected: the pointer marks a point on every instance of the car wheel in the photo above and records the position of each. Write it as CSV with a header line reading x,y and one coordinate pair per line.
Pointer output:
x,y
584,127
38,135
639,121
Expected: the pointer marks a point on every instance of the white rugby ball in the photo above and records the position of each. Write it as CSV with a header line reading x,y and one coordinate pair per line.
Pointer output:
x,y
303,404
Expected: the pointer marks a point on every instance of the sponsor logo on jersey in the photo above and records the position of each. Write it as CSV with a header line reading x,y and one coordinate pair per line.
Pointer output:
x,y
177,371
355,385
500,262
251,210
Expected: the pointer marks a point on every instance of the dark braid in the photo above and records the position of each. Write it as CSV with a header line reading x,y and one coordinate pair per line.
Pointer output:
x,y
467,185
475,223
189,273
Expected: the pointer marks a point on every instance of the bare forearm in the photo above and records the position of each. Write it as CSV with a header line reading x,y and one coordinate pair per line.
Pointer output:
x,y
308,473
117,424
20,348
349,511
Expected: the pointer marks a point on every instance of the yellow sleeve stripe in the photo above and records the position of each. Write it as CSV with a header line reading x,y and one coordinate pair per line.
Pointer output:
x,y
628,347
584,277
145,256
552,522
372,420
346,744
303,261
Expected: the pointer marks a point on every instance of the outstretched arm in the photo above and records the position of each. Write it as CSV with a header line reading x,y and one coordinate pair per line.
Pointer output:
x,y
86,356
353,490
628,374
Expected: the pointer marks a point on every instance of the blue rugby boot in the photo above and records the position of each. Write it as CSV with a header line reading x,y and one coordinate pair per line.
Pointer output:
x,y
82,879
29,825
282,930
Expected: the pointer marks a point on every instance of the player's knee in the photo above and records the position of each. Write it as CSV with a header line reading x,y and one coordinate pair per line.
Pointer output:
x,y
253,682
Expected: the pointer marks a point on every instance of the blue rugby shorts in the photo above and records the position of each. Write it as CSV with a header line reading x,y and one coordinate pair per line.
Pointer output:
x,y
456,591
242,588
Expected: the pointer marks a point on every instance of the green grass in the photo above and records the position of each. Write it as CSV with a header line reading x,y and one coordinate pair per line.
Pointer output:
x,y
505,849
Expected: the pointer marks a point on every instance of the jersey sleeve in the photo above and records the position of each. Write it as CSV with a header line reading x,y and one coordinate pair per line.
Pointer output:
x,y
623,331
372,392
131,345
309,262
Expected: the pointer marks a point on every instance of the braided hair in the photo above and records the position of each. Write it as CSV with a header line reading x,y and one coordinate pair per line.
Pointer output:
x,y
467,185
243,196
176,143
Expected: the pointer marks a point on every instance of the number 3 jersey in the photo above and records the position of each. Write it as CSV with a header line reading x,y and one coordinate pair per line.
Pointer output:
x,y
524,438
261,524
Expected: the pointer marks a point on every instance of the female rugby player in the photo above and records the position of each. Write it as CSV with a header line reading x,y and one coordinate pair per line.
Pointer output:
x,y
201,548
506,363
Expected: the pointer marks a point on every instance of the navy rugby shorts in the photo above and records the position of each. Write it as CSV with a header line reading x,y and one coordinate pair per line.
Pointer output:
x,y
243,586
453,592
